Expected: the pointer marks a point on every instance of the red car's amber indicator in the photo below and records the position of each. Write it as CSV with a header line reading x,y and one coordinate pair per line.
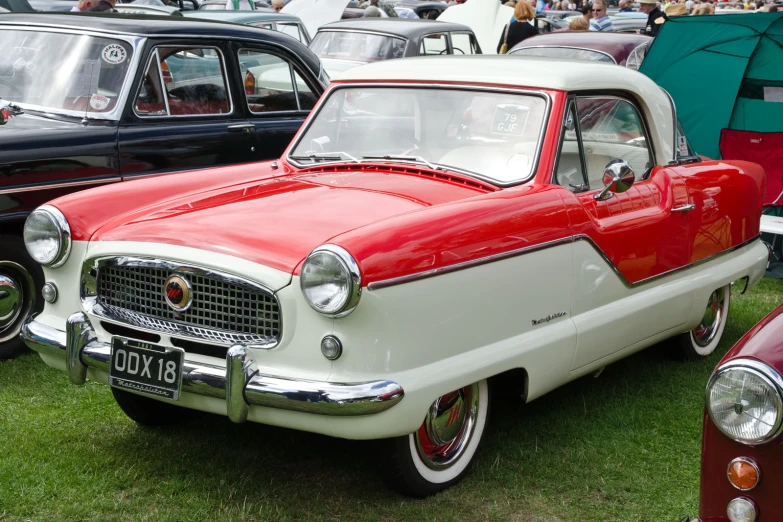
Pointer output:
x,y
744,474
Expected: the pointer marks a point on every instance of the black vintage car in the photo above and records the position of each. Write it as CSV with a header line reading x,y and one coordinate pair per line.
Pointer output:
x,y
94,99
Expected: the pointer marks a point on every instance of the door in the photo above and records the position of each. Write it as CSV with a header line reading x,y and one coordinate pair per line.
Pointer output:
x,y
625,240
278,95
183,114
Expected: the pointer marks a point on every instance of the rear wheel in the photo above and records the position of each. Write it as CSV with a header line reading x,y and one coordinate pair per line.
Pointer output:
x,y
148,412
705,338
20,279
439,453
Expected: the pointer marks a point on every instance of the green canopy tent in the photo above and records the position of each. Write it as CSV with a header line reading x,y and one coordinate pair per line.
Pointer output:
x,y
723,71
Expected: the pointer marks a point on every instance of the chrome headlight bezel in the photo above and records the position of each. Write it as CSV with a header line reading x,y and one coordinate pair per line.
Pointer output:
x,y
62,233
770,378
352,281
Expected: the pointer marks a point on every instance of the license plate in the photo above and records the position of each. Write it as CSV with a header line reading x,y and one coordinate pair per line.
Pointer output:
x,y
146,368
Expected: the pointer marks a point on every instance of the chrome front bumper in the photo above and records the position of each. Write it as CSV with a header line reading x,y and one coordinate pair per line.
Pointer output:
x,y
235,383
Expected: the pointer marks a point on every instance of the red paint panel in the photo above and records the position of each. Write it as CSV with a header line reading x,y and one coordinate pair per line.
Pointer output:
x,y
458,232
763,342
88,210
277,222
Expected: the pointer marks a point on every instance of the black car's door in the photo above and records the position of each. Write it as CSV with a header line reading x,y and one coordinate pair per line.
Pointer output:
x,y
183,112
279,92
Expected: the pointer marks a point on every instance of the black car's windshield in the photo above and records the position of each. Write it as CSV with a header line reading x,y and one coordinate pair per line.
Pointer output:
x,y
56,71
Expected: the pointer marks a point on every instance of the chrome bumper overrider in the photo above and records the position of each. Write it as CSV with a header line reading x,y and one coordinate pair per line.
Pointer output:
x,y
235,383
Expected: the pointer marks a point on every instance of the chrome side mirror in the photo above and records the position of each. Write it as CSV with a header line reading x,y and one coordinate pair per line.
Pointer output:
x,y
618,177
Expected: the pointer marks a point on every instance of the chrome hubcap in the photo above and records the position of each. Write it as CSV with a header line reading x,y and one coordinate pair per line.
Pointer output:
x,y
448,427
705,333
11,300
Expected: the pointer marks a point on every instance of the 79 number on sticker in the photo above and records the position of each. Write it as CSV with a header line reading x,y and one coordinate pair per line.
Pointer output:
x,y
509,120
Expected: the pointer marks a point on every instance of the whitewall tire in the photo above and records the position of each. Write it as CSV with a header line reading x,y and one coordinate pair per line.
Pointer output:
x,y
439,453
705,338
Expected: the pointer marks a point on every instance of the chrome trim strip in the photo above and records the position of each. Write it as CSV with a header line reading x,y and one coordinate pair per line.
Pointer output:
x,y
316,397
65,184
675,123
377,285
562,47
237,374
90,304
472,87
752,463
762,370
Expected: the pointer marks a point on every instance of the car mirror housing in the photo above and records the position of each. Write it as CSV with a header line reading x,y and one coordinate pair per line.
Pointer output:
x,y
618,177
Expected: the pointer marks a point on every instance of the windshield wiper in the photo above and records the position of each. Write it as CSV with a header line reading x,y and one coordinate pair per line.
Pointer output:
x,y
326,156
415,159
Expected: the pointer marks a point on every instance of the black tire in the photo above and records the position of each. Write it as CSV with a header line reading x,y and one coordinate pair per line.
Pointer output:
x,y
405,467
28,278
705,338
148,412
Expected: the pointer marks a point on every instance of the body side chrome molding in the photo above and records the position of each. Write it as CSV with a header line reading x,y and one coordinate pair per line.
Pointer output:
x,y
64,184
234,383
377,285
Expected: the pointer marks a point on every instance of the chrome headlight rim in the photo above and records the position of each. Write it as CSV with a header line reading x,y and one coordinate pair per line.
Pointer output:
x,y
351,267
63,232
770,377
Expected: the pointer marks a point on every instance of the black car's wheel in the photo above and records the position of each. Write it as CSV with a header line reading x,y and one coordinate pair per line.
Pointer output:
x,y
439,453
148,412
705,338
20,279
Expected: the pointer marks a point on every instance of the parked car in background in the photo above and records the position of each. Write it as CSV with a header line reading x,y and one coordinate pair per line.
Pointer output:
x,y
150,10
219,5
742,456
623,49
348,43
284,23
135,97
435,223
422,8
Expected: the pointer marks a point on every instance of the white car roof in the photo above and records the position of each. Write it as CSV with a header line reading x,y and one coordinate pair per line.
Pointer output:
x,y
539,73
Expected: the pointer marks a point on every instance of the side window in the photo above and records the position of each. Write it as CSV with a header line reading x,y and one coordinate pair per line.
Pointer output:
x,y
569,173
269,84
291,30
433,44
184,82
463,43
611,129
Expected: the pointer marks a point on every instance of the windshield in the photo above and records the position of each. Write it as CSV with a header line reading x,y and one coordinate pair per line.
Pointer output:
x,y
492,135
58,71
357,47
564,52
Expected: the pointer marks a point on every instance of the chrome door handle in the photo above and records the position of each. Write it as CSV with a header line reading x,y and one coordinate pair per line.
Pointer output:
x,y
241,127
684,208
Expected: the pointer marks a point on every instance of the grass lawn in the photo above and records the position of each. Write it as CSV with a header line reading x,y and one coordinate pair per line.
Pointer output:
x,y
622,447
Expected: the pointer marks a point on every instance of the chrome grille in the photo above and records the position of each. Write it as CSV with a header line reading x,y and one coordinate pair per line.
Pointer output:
x,y
226,312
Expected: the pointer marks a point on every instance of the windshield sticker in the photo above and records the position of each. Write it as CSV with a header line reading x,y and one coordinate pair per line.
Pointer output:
x,y
594,136
114,54
682,145
509,120
99,102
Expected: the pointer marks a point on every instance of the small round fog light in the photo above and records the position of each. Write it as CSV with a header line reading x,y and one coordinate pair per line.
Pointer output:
x,y
741,510
331,347
49,292
744,474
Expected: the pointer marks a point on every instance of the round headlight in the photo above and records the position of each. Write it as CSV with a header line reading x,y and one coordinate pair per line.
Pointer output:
x,y
47,236
745,401
330,281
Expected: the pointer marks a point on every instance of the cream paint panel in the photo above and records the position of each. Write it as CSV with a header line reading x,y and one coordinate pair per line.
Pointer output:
x,y
67,279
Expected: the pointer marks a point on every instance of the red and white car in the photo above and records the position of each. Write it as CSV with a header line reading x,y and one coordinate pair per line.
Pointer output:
x,y
434,224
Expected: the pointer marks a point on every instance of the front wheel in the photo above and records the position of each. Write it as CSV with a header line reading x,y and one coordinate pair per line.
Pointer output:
x,y
439,453
705,338
20,277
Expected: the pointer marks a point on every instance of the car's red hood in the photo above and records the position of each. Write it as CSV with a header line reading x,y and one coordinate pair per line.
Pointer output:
x,y
277,222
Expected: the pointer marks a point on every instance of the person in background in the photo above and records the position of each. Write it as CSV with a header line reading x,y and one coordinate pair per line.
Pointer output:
x,y
372,12
278,5
240,5
676,10
82,5
579,24
689,5
515,33
587,13
624,7
103,6
655,17
601,20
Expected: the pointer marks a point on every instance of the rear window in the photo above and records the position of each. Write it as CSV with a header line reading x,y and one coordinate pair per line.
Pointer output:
x,y
564,52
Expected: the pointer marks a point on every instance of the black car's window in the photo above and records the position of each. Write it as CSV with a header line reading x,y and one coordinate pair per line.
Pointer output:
x,y
463,43
193,81
611,129
269,83
569,173
433,44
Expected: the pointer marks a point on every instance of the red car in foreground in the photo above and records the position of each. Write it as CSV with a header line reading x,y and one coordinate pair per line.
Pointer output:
x,y
742,450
